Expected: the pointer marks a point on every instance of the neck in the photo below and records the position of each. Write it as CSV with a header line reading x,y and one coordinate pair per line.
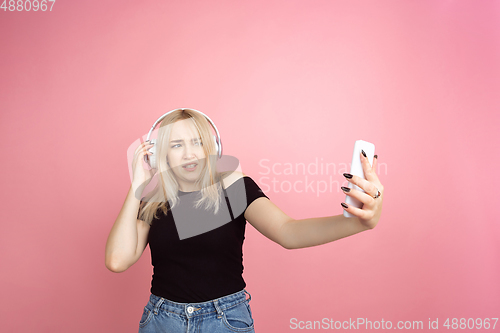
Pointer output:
x,y
188,189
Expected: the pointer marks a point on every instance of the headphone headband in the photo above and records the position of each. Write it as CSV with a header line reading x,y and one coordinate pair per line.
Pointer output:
x,y
218,142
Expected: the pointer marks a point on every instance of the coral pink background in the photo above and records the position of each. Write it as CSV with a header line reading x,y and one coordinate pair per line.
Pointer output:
x,y
285,82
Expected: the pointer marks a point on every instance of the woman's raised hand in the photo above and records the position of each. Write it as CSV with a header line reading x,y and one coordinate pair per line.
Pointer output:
x,y
141,175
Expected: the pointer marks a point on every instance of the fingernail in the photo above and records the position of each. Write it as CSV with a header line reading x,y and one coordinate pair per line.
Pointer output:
x,y
347,175
376,156
343,205
363,152
345,189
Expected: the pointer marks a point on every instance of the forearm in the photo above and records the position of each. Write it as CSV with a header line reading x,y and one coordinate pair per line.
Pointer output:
x,y
320,230
122,241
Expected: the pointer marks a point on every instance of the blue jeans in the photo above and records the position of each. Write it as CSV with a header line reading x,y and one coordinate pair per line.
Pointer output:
x,y
229,313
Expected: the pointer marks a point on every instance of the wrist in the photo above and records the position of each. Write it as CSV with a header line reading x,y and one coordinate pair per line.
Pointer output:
x,y
137,188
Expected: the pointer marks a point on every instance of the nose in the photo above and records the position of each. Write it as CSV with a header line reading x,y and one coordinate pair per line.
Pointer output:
x,y
188,152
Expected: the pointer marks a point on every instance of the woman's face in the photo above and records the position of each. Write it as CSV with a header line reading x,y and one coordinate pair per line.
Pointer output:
x,y
185,148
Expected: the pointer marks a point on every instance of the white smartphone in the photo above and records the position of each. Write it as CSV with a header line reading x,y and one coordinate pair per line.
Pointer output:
x,y
357,170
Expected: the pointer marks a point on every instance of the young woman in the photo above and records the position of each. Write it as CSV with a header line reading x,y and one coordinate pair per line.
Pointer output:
x,y
194,221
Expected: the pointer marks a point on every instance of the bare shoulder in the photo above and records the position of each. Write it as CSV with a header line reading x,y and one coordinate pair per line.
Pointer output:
x,y
230,177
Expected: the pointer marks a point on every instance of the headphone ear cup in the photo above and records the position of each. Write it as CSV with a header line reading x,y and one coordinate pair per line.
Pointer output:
x,y
217,146
152,157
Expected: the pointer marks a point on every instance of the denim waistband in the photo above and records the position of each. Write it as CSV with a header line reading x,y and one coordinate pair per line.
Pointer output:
x,y
190,310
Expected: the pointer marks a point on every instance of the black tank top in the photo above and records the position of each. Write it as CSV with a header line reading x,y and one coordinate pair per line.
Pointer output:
x,y
197,255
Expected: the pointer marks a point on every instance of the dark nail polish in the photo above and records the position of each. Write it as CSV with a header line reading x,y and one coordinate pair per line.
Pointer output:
x,y
345,189
347,175
376,156
343,205
363,152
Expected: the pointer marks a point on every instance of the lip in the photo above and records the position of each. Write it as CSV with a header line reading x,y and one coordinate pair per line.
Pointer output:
x,y
183,165
190,169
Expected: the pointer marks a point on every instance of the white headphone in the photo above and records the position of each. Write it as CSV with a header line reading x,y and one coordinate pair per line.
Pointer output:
x,y
151,160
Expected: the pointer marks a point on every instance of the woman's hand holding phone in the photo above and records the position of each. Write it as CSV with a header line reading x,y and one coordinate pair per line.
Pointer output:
x,y
366,192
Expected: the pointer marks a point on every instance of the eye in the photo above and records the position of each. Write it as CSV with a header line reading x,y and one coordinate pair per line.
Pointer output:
x,y
175,145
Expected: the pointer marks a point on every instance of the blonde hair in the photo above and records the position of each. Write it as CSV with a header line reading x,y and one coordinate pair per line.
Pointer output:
x,y
167,187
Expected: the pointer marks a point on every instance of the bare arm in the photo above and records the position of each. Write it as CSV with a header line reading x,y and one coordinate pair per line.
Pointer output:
x,y
319,230
273,223
128,236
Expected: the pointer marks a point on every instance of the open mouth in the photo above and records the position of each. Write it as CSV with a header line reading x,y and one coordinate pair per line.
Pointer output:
x,y
190,167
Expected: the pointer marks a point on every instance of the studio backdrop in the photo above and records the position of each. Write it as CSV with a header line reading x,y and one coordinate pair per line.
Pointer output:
x,y
291,86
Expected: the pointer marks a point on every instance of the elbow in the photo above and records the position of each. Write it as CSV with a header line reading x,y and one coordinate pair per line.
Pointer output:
x,y
285,239
115,267
287,245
